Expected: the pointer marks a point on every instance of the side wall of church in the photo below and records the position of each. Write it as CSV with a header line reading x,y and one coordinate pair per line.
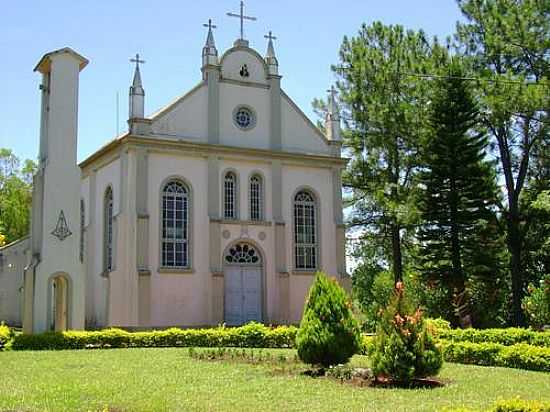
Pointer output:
x,y
13,260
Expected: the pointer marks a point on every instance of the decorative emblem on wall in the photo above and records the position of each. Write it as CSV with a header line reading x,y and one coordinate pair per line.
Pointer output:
x,y
262,236
61,230
244,71
226,234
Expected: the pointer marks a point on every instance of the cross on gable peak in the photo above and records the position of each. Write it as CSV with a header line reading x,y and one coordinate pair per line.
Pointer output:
x,y
242,17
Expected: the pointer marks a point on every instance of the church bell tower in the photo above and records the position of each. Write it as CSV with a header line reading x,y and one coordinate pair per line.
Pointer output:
x,y
54,280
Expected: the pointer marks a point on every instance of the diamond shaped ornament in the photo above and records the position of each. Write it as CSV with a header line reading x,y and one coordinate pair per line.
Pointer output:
x,y
61,230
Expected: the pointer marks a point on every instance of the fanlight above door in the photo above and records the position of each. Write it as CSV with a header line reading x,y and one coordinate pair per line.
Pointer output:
x,y
243,254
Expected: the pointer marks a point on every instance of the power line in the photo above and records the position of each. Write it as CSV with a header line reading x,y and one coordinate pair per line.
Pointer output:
x,y
431,76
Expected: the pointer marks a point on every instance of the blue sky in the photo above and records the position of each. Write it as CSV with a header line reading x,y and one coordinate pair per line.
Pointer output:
x,y
169,36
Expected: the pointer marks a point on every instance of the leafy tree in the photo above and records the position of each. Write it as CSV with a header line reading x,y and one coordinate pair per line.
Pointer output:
x,y
328,334
15,195
509,44
537,303
403,350
459,242
383,106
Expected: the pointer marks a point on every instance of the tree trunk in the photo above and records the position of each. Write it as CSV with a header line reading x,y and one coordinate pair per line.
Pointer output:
x,y
458,282
515,249
397,258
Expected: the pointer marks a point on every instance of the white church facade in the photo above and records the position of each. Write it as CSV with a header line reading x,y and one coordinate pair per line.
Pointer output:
x,y
218,208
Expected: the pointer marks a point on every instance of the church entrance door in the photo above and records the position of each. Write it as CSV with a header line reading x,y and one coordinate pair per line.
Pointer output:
x,y
59,293
243,285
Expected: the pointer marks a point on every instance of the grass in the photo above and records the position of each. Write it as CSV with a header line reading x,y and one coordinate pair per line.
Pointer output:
x,y
170,380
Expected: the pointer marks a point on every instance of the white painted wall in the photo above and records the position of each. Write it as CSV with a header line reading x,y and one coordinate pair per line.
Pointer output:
x,y
234,59
188,118
13,260
298,134
319,182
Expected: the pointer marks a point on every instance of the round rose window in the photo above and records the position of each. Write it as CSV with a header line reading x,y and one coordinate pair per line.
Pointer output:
x,y
244,118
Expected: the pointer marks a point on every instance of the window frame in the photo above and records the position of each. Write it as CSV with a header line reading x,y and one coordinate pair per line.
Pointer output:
x,y
108,230
236,195
186,227
261,198
82,240
315,207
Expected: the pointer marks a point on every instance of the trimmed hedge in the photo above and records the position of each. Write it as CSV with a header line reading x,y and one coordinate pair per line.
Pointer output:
x,y
250,335
518,405
520,356
507,336
5,335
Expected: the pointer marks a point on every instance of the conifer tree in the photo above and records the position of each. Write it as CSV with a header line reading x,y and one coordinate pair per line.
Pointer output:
x,y
328,334
458,237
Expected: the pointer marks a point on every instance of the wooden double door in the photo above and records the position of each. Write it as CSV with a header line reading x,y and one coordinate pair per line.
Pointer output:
x,y
243,294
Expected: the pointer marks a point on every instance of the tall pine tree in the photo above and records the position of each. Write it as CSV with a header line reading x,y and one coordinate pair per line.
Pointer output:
x,y
458,241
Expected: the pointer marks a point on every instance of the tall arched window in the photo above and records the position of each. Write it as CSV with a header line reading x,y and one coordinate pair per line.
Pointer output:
x,y
175,225
256,197
305,231
230,196
108,230
82,224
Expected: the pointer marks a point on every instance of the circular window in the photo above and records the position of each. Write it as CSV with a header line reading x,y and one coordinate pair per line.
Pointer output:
x,y
244,118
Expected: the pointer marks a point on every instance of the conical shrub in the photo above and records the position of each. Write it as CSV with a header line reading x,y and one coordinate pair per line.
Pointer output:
x,y
328,334
403,349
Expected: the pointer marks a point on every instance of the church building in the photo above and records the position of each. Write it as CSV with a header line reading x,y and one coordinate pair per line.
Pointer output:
x,y
218,208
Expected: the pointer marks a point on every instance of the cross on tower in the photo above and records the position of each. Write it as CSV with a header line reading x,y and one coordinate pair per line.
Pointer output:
x,y
210,25
270,36
242,17
137,61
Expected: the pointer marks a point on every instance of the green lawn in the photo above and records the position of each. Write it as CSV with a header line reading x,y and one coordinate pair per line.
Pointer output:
x,y
169,380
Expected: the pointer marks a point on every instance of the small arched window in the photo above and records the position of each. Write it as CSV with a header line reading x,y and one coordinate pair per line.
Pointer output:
x,y
305,231
82,224
108,230
256,197
175,225
230,196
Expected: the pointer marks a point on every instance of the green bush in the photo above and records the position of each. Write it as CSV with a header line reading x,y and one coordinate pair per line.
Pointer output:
x,y
328,334
520,356
402,349
250,335
518,405
6,335
507,337
537,304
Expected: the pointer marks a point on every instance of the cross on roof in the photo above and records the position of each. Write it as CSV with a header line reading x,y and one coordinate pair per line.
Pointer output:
x,y
210,25
137,61
242,17
270,36
333,92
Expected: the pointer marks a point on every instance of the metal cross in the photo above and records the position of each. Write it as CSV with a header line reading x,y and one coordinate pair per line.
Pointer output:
x,y
270,36
242,17
333,92
210,25
137,61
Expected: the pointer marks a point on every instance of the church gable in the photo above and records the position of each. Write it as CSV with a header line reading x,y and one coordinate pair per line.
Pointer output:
x,y
185,118
243,64
299,134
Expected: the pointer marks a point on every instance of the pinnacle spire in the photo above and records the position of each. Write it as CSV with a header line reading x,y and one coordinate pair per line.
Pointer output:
x,y
210,37
333,117
137,94
137,75
270,58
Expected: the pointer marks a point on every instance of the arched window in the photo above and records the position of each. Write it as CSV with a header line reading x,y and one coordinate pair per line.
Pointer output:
x,y
230,196
305,231
82,224
256,197
175,225
108,230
